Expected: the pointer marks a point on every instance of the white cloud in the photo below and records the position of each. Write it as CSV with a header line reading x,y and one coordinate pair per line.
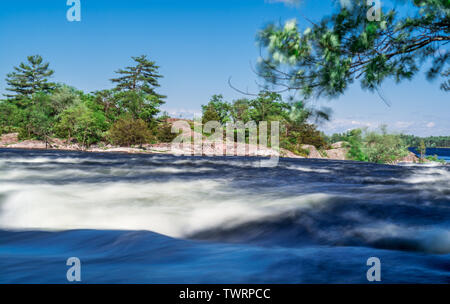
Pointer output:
x,y
182,113
403,124
344,124
431,126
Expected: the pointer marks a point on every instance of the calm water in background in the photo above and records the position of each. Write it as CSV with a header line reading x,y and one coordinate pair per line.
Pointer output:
x,y
442,153
166,219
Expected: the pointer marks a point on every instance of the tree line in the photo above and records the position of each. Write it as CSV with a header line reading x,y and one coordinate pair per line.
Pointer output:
x,y
129,114
37,108
297,121
410,141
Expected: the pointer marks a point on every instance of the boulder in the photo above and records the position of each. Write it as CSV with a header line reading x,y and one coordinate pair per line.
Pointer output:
x,y
8,139
338,154
29,144
313,153
410,158
338,145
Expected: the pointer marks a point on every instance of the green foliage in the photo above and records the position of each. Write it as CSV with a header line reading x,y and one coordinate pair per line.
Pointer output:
x,y
303,134
431,142
40,109
216,110
356,146
435,158
36,120
108,103
327,57
162,129
266,105
137,104
384,148
445,86
10,117
240,110
269,106
210,114
64,97
39,122
135,89
129,131
422,149
83,124
164,133
28,79
376,147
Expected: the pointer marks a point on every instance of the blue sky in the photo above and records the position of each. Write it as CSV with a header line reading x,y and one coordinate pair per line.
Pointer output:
x,y
198,44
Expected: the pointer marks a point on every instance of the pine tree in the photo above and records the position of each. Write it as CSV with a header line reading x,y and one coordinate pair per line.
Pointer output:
x,y
325,58
135,89
210,114
143,77
28,79
446,84
422,150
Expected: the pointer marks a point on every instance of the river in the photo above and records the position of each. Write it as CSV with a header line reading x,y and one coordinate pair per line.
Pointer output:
x,y
167,219
441,153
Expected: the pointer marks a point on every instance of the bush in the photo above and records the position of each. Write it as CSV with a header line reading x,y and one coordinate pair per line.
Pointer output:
x,y
356,146
435,158
305,134
375,147
11,117
82,123
163,132
128,131
384,148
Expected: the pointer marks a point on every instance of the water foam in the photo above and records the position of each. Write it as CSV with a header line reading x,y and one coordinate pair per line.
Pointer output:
x,y
174,208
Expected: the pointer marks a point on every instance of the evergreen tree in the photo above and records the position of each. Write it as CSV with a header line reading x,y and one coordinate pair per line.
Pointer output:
x,y
331,54
210,114
28,79
108,103
422,149
446,84
143,77
128,131
218,109
240,110
135,89
267,104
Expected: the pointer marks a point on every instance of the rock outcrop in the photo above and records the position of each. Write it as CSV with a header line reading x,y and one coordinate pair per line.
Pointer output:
x,y
8,139
29,144
338,152
410,158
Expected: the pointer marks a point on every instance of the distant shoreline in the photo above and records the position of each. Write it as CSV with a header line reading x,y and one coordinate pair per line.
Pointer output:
x,y
131,151
337,152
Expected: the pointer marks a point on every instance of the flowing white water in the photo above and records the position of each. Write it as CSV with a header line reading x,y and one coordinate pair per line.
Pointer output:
x,y
182,197
175,208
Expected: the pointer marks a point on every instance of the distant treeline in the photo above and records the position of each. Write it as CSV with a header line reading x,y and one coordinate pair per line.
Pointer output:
x,y
129,114
430,142
409,140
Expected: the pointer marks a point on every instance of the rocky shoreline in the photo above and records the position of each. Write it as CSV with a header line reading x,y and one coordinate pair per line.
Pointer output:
x,y
338,150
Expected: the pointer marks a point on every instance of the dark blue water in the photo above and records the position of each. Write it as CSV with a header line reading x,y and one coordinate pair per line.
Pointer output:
x,y
166,219
442,153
